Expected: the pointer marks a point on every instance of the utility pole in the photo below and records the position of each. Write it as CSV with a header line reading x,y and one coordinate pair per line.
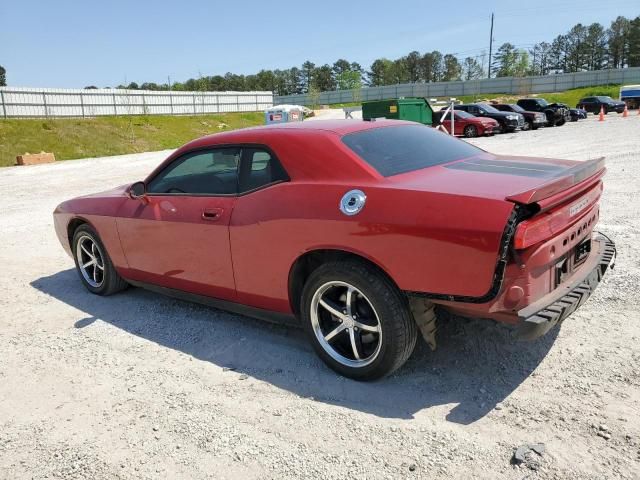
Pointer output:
x,y
490,46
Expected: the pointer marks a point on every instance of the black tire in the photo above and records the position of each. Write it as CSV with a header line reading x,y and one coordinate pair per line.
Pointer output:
x,y
390,307
104,281
470,131
561,122
528,125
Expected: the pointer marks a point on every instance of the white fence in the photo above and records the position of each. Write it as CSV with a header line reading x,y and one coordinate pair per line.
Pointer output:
x,y
52,102
509,85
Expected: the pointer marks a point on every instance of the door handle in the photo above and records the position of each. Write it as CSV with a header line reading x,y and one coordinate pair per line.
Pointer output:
x,y
212,214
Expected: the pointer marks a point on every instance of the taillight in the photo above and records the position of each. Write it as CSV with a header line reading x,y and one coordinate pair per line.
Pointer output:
x,y
547,224
539,228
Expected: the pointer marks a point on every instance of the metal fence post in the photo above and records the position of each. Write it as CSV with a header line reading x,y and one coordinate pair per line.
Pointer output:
x,y
4,108
115,109
257,109
82,104
237,102
44,102
171,101
193,97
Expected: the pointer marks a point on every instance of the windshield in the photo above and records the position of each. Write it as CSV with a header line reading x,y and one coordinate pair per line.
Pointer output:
x,y
542,102
605,99
517,108
488,109
405,148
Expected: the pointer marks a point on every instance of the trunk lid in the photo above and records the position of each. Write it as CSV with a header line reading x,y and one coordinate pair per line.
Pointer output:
x,y
545,182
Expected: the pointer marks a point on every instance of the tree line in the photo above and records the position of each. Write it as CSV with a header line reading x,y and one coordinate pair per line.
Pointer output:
x,y
582,48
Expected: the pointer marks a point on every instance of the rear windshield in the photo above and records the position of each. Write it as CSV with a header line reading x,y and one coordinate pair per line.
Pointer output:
x,y
404,148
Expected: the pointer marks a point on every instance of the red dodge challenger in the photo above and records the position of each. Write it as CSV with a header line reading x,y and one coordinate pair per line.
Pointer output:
x,y
354,229
467,125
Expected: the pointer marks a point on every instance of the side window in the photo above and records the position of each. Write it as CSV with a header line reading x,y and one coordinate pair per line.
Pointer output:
x,y
259,168
208,172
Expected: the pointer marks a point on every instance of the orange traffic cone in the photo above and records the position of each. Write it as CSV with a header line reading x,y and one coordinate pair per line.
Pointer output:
x,y
601,118
625,114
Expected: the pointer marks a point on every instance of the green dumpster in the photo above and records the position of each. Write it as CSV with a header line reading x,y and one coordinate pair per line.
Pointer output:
x,y
415,109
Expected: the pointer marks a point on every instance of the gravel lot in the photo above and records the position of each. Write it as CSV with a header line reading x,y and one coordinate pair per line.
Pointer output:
x,y
142,386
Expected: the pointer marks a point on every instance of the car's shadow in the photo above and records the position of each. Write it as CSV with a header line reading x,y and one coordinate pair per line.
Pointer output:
x,y
475,366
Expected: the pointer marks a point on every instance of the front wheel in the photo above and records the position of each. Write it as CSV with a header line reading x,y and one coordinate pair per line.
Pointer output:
x,y
528,125
470,131
93,264
357,320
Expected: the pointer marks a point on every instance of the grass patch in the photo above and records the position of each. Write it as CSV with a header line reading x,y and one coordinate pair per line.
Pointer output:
x,y
71,138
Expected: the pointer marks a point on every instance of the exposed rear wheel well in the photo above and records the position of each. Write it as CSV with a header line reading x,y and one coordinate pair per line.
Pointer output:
x,y
307,263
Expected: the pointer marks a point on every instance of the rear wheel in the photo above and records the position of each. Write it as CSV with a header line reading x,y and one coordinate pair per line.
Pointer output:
x,y
470,131
357,320
93,264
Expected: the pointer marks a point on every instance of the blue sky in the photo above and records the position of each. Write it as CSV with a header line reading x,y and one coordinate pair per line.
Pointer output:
x,y
67,43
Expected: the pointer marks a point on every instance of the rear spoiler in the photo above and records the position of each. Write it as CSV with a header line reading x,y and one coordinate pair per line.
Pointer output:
x,y
568,184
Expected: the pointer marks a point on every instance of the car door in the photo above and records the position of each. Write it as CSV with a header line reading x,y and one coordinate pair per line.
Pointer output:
x,y
177,236
259,234
473,110
458,124
587,103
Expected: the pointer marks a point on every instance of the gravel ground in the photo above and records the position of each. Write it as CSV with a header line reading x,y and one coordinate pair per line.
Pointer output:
x,y
142,386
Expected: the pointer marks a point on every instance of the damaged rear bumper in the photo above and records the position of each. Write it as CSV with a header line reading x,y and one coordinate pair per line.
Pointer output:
x,y
539,317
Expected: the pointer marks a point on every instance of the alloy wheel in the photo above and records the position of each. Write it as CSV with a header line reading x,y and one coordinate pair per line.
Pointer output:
x,y
90,261
470,131
346,324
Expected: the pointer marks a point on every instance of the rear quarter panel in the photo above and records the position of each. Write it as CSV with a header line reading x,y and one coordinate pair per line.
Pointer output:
x,y
427,242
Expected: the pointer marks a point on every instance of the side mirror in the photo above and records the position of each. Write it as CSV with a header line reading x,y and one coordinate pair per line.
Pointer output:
x,y
137,190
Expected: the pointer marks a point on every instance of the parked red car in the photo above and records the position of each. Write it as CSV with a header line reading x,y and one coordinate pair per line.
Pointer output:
x,y
467,125
355,229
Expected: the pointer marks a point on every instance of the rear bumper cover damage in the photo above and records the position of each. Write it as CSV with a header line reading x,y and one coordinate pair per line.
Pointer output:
x,y
539,317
